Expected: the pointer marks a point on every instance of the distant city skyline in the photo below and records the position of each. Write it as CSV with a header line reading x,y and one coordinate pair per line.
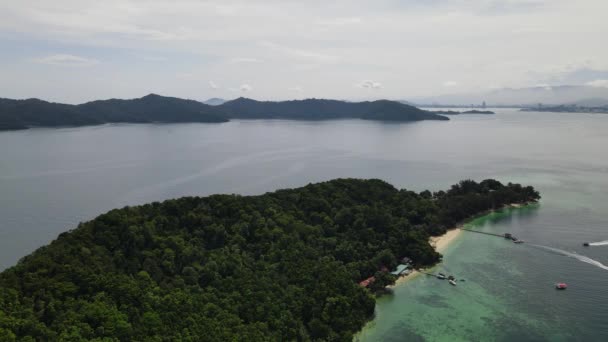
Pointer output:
x,y
76,51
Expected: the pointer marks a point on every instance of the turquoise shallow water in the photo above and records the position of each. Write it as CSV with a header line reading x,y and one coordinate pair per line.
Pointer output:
x,y
51,179
509,290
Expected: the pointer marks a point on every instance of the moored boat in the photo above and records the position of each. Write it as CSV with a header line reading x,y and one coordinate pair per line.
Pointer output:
x,y
452,281
441,276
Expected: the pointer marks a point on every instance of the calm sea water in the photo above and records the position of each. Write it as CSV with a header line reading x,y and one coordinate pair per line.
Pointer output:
x,y
51,179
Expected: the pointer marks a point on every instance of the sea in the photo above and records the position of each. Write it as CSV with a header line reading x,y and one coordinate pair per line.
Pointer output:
x,y
52,179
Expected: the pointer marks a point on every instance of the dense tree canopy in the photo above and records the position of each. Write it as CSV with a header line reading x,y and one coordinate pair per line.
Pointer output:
x,y
280,266
321,109
21,114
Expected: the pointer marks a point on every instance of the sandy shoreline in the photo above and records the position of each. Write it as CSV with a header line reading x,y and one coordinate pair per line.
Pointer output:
x,y
440,243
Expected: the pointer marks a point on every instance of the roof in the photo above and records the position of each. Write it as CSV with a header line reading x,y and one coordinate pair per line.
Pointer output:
x,y
366,282
400,268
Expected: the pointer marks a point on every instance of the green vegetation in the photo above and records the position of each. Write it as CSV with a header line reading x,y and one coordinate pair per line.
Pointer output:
x,y
280,266
22,114
319,109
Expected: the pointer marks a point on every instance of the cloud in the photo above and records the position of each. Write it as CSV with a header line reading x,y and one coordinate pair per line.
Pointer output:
x,y
450,84
369,84
212,85
401,45
154,58
66,60
598,83
543,85
301,53
244,60
246,87
340,21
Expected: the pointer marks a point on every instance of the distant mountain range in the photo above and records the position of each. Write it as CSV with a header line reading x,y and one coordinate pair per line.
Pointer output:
x,y
556,95
22,114
214,101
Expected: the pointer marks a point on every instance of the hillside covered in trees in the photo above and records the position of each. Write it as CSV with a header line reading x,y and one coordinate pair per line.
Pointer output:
x,y
22,114
319,109
280,266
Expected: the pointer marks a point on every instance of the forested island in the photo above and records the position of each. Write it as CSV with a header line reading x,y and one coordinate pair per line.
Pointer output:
x,y
319,109
280,266
23,114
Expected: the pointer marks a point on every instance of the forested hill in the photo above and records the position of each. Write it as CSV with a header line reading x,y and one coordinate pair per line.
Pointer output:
x,y
277,267
22,114
319,109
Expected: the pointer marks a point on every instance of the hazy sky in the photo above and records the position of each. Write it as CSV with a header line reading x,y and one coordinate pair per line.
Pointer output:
x,y
79,50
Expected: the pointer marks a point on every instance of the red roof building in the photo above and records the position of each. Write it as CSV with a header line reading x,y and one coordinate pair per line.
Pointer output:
x,y
366,282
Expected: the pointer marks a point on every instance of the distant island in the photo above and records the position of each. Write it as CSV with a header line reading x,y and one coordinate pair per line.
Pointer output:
x,y
283,266
568,109
453,112
23,114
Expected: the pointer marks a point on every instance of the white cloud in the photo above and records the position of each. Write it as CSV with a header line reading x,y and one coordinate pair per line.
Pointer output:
x,y
411,45
244,60
212,85
340,21
598,83
154,58
369,84
315,56
450,84
543,85
246,88
66,60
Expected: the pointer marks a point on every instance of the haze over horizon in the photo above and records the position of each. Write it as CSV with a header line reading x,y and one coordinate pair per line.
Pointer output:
x,y
77,51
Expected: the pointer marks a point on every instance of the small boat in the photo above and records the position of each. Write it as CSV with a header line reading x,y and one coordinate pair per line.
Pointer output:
x,y
451,278
586,244
452,282
561,286
518,241
441,276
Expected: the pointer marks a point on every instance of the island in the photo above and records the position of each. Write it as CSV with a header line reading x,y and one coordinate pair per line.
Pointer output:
x,y
287,265
320,109
454,112
568,109
23,114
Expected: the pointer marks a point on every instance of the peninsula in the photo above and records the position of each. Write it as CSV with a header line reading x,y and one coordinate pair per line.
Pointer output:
x,y
280,266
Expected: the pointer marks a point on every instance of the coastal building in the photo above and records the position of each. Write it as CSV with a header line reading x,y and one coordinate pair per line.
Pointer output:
x,y
400,270
367,282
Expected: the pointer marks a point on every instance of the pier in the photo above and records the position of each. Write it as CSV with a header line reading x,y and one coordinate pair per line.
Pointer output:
x,y
477,231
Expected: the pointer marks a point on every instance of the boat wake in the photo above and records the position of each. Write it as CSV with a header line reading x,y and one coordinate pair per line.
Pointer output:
x,y
573,255
601,243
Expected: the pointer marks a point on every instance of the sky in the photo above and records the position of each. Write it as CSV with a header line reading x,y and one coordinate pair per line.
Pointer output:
x,y
75,51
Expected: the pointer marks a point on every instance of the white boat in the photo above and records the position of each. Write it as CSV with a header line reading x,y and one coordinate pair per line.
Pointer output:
x,y
452,281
